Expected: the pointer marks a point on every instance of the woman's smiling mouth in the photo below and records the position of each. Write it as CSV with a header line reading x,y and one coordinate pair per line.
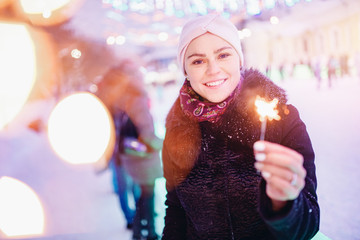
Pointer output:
x,y
215,83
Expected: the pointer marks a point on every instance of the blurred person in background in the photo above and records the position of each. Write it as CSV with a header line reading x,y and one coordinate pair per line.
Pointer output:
x,y
221,181
316,68
332,65
123,184
344,65
122,90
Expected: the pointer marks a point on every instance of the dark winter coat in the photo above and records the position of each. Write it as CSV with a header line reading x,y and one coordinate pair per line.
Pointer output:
x,y
214,191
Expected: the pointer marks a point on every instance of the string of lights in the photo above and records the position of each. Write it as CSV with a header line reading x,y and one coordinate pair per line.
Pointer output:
x,y
182,8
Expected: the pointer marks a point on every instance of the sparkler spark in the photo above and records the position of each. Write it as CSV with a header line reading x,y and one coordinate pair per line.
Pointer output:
x,y
266,110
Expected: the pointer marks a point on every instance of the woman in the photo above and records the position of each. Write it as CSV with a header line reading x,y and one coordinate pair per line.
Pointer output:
x,y
222,182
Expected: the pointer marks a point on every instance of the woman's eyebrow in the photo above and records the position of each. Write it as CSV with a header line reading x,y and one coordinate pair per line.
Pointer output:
x,y
196,55
221,49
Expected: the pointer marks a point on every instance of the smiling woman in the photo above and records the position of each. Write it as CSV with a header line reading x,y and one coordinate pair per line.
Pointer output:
x,y
222,183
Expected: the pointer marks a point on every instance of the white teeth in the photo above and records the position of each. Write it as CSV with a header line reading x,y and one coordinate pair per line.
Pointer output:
x,y
212,84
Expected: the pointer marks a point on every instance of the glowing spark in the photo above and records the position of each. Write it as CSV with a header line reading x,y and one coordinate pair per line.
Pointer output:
x,y
266,110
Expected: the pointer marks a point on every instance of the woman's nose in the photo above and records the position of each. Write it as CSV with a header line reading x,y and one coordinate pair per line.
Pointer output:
x,y
213,67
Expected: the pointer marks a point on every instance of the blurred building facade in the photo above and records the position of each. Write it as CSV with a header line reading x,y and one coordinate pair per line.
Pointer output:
x,y
306,37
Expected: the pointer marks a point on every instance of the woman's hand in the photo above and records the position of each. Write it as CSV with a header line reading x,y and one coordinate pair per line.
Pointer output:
x,y
282,168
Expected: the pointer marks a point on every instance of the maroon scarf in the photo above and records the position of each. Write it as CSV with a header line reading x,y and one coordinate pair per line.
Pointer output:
x,y
202,110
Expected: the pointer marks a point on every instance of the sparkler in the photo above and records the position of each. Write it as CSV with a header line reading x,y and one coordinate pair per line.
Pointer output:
x,y
266,110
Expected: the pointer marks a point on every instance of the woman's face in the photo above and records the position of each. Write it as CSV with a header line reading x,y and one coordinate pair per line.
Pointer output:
x,y
212,66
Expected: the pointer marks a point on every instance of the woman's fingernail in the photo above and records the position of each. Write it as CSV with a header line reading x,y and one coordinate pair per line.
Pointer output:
x,y
260,157
259,146
259,165
266,174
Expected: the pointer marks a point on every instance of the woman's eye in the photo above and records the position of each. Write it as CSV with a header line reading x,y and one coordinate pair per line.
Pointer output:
x,y
224,55
196,62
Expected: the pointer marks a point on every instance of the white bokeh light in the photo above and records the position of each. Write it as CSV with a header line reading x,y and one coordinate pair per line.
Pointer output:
x,y
120,40
21,212
110,40
274,20
80,129
163,36
76,53
18,71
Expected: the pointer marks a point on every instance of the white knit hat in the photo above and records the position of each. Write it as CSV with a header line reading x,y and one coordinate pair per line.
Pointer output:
x,y
212,23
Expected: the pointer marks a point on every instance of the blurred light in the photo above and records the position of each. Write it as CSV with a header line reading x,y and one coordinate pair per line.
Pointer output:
x,y
241,35
169,8
244,33
21,211
269,4
138,6
159,4
93,88
148,38
173,67
39,6
80,129
76,53
143,70
47,12
290,3
226,15
184,8
120,40
4,3
18,69
178,30
253,7
163,36
180,14
110,40
233,5
217,5
178,8
151,77
199,7
274,20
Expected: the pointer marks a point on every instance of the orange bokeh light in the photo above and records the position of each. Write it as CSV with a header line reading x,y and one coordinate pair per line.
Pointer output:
x,y
47,12
28,68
